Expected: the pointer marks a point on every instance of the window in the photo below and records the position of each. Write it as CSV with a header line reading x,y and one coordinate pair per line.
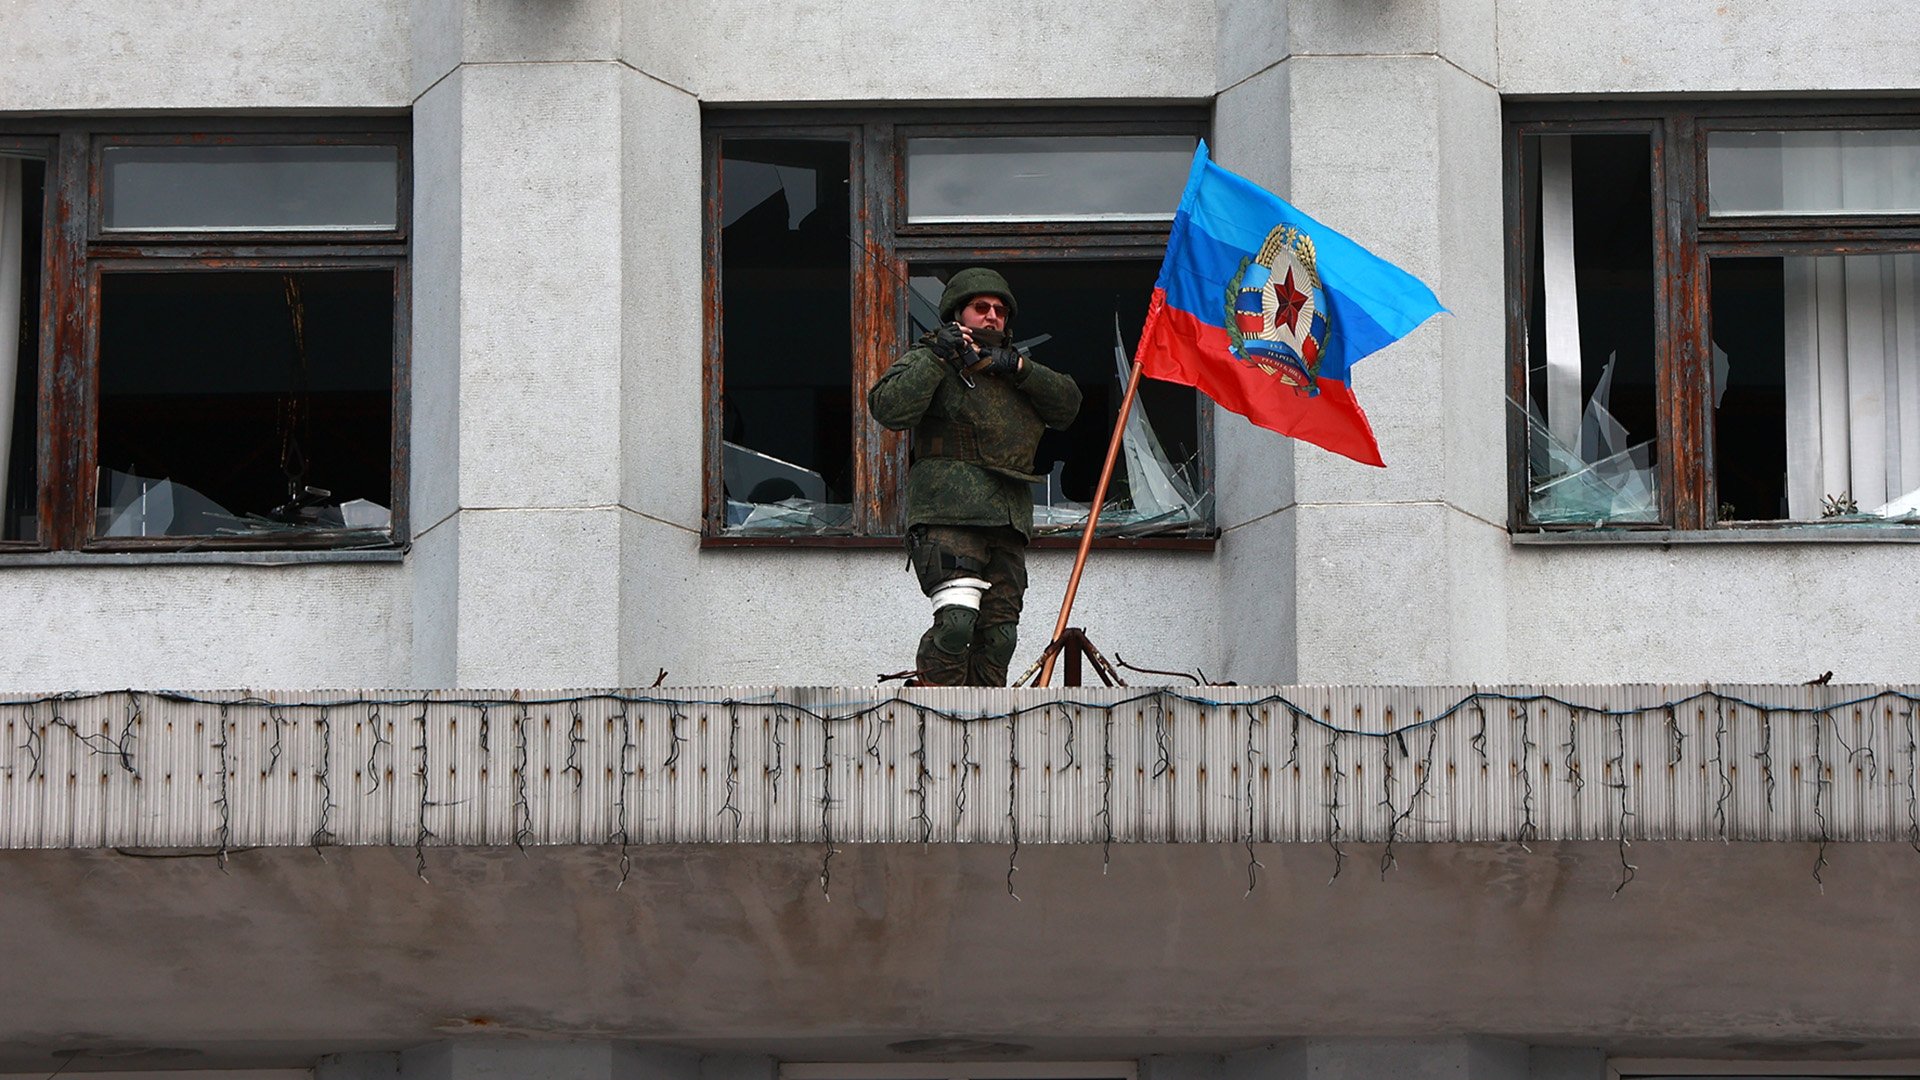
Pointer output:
x,y
832,236
202,336
1717,316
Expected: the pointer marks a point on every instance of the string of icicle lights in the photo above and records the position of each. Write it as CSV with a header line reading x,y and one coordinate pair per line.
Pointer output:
x,y
831,767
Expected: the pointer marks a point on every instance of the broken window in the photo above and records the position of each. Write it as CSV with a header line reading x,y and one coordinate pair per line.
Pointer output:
x,y
831,242
1590,402
1717,317
787,334
227,372
1083,318
244,403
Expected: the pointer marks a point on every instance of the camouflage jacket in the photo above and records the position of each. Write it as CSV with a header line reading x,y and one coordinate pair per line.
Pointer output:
x,y
972,446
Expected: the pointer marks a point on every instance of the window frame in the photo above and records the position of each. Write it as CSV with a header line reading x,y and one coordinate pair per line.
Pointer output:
x,y
1686,239
78,251
877,140
98,233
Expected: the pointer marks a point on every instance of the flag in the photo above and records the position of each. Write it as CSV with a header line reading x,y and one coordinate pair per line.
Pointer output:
x,y
1265,310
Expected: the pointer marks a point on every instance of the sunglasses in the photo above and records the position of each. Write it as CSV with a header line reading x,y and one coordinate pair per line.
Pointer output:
x,y
988,307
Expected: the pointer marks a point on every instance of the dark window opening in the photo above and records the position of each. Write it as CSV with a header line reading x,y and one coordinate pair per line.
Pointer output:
x,y
1591,391
787,367
1073,313
1750,395
237,403
23,185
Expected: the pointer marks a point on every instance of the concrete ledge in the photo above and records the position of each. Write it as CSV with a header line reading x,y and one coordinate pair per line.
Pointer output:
x,y
1787,534
830,766
206,558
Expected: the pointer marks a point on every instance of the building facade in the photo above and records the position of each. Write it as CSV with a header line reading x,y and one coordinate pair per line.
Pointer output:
x,y
487,347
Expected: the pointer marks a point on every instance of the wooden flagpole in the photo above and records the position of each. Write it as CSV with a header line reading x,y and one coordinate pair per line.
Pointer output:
x,y
1093,519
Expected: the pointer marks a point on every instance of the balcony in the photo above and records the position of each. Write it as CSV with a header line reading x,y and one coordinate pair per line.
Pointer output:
x,y
824,874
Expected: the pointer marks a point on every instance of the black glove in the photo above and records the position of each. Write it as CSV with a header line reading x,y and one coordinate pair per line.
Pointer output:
x,y
1003,360
949,344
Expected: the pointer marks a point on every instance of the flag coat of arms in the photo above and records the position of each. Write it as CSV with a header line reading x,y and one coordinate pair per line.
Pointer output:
x,y
1265,310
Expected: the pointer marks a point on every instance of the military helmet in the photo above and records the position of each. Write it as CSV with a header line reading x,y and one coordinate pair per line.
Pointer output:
x,y
971,282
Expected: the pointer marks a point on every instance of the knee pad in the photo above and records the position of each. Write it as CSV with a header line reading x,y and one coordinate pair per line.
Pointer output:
x,y
953,629
997,642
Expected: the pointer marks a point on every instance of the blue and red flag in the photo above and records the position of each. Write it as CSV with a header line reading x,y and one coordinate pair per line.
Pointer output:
x,y
1265,310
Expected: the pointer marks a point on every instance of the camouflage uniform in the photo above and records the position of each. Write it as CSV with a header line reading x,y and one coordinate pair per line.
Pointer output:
x,y
969,506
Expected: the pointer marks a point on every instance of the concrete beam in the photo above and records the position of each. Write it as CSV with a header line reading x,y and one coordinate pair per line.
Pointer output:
x,y
170,963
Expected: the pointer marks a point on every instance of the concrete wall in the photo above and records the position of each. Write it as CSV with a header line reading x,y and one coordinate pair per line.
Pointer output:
x,y
122,55
556,426
1707,46
914,50
179,627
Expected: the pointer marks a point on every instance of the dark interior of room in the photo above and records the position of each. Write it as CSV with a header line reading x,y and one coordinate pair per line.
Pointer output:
x,y
248,386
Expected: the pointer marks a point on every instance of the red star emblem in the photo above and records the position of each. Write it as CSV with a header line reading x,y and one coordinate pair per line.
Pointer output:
x,y
1291,301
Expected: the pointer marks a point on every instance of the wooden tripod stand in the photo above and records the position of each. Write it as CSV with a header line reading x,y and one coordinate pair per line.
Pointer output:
x,y
1078,650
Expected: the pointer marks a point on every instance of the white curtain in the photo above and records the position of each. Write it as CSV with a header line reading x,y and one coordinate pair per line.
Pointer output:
x,y
1560,288
1853,381
12,221
1853,363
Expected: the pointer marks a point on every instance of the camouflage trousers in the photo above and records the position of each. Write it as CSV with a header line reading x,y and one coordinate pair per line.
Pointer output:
x,y
964,647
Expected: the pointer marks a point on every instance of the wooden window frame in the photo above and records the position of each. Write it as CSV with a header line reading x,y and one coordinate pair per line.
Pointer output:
x,y
888,246
1687,238
78,251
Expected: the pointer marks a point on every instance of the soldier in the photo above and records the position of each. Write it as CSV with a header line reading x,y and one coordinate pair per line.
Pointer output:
x,y
976,407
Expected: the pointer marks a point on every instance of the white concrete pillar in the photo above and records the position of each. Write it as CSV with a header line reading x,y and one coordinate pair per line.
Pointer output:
x,y
1254,468
665,609
517,418
1382,121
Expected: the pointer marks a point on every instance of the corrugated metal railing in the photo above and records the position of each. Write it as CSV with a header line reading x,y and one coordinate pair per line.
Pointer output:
x,y
839,765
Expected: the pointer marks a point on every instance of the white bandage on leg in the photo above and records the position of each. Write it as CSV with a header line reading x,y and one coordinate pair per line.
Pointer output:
x,y
960,592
